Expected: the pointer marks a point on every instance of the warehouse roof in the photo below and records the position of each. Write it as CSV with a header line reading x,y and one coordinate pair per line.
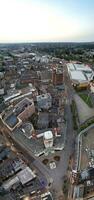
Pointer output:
x,y
78,75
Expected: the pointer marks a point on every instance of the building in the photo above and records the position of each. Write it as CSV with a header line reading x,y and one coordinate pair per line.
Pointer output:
x,y
87,174
4,153
44,101
26,175
78,79
44,59
24,109
23,177
78,192
10,183
10,165
28,130
11,96
11,121
48,139
57,77
87,71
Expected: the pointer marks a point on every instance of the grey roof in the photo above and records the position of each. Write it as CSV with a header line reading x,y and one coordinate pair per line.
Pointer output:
x,y
34,145
27,129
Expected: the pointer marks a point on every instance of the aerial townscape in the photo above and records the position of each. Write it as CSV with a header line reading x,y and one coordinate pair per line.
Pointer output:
x,y
46,99
47,121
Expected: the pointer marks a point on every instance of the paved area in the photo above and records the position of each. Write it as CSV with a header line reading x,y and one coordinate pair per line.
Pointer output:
x,y
84,112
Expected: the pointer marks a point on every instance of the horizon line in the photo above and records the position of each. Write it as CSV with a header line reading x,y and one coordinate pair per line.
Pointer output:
x,y
24,42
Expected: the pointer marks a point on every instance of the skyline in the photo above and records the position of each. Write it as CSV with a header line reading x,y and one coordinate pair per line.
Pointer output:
x,y
49,21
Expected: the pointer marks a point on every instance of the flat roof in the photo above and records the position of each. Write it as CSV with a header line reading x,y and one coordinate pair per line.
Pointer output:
x,y
77,75
27,129
48,135
26,175
78,67
82,67
70,66
9,183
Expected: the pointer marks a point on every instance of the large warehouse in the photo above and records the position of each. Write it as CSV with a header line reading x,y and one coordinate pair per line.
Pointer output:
x,y
80,74
88,72
78,79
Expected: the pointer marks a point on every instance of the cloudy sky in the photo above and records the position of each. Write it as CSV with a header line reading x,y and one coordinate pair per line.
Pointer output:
x,y
46,20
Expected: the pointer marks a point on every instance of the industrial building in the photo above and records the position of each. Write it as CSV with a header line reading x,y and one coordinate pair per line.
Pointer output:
x,y
87,71
78,79
80,75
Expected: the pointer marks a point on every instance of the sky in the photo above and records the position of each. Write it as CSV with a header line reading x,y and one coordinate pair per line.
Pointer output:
x,y
46,21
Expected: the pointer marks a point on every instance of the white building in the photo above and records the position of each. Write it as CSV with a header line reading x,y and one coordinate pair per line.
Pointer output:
x,y
88,72
78,79
48,139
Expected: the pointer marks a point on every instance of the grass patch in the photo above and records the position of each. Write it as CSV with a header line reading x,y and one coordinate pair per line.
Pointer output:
x,y
85,125
87,99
